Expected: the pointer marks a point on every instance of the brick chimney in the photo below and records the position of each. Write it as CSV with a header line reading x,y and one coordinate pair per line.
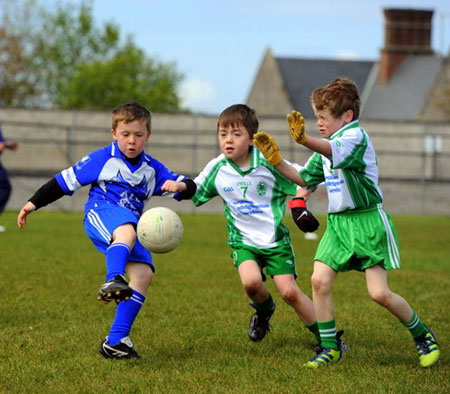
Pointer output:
x,y
406,32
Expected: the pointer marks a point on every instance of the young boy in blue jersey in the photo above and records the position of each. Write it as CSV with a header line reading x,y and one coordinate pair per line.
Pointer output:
x,y
360,234
122,176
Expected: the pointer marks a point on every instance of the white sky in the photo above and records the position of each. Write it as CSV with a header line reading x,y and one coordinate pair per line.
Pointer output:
x,y
218,45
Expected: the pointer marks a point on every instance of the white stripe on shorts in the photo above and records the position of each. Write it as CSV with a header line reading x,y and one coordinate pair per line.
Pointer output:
x,y
94,219
392,246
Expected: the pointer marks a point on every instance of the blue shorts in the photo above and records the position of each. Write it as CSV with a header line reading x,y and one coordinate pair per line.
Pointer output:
x,y
100,223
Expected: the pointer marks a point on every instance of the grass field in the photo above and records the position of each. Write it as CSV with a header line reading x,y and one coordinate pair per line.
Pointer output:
x,y
192,329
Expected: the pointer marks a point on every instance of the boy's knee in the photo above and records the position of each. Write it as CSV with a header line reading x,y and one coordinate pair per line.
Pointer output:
x,y
141,279
290,295
147,276
380,296
252,287
320,283
125,234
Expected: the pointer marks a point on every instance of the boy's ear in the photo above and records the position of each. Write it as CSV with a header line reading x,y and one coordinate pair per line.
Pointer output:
x,y
113,133
348,116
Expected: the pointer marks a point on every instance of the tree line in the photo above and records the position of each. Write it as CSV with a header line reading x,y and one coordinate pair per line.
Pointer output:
x,y
60,58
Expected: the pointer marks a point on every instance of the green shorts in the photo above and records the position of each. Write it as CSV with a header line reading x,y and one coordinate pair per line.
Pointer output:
x,y
358,240
276,261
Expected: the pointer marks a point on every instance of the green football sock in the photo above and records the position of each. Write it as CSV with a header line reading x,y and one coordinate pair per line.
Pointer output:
x,y
314,328
415,326
327,330
267,305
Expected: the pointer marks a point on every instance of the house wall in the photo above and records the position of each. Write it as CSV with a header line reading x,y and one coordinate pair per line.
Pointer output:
x,y
438,102
268,92
413,157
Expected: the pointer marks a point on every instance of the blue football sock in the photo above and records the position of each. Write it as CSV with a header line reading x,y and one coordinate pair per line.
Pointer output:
x,y
125,315
116,260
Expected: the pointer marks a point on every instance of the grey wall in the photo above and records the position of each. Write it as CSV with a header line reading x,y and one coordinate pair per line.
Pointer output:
x,y
413,157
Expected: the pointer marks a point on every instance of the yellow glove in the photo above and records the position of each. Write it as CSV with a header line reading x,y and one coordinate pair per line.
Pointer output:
x,y
268,147
297,127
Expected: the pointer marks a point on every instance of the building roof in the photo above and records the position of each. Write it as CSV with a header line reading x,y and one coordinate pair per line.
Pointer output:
x,y
302,76
405,96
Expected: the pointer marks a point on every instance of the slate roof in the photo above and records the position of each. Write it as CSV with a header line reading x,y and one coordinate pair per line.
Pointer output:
x,y
406,94
302,76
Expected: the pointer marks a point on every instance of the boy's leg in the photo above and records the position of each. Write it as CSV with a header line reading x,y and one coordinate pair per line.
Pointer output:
x,y
5,192
123,240
116,286
116,259
117,344
251,278
111,230
322,282
302,304
379,291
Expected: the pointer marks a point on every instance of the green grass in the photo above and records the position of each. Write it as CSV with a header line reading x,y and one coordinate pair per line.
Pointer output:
x,y
192,328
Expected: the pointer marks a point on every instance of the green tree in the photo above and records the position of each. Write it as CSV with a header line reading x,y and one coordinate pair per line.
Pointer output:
x,y
72,63
15,83
129,75
17,78
67,39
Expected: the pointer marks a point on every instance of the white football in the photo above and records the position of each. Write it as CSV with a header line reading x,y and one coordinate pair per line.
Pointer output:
x,y
160,230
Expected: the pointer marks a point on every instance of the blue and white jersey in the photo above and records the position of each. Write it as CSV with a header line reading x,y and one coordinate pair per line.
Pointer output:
x,y
114,180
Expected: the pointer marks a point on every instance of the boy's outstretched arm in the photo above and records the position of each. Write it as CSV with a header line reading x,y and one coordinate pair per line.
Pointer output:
x,y
297,130
270,150
24,212
46,194
186,188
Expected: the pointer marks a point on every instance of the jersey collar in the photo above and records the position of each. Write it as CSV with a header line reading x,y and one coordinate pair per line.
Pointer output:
x,y
253,162
116,152
348,126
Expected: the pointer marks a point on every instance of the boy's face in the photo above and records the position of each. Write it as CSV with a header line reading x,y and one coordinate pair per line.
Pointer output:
x,y
327,124
131,137
234,143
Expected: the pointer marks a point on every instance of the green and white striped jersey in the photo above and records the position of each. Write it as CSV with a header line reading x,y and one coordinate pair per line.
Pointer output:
x,y
254,199
351,175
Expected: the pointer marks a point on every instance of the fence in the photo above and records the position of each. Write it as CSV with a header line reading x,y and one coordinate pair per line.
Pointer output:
x,y
413,157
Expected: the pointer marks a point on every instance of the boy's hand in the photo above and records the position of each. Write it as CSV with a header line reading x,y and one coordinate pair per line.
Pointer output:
x,y
24,212
304,219
13,145
268,147
297,127
173,186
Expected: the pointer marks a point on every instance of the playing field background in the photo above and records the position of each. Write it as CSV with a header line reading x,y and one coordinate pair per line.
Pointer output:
x,y
191,331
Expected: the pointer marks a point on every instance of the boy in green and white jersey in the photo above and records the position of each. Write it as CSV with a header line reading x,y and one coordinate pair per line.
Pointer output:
x,y
254,195
360,235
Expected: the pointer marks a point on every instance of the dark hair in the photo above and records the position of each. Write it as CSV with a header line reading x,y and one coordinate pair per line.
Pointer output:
x,y
130,112
239,114
338,96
